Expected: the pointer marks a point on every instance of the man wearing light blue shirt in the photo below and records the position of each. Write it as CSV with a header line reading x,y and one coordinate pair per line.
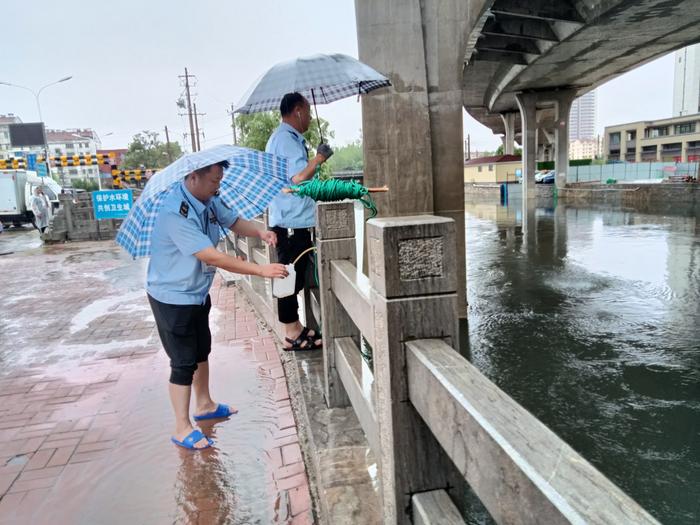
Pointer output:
x,y
292,218
183,262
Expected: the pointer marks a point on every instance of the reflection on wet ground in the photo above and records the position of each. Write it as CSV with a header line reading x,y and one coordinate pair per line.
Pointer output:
x,y
19,239
590,318
85,419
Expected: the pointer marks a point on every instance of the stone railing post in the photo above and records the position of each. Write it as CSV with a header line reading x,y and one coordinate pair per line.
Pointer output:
x,y
335,239
67,202
413,273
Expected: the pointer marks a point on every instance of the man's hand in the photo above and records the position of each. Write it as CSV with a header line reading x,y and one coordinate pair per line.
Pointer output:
x,y
269,237
273,271
325,151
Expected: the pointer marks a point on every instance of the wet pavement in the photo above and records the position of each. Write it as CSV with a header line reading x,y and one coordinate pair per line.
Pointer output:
x,y
19,239
85,418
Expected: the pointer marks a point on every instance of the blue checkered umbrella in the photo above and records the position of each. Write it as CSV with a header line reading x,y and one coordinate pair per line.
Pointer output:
x,y
251,181
322,79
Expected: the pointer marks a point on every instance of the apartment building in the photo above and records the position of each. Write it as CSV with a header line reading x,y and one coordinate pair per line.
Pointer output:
x,y
674,139
71,142
6,150
68,142
582,117
584,149
686,81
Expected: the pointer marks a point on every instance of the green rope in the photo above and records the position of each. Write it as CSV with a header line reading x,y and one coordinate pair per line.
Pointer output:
x,y
336,190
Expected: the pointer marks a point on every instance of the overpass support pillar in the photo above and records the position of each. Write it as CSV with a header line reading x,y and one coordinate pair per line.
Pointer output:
x,y
546,141
563,100
509,138
413,142
527,102
412,132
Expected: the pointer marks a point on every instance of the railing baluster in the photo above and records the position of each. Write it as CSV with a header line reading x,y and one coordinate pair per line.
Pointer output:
x,y
335,239
413,273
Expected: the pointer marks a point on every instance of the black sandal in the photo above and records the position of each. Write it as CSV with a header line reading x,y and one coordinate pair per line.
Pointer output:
x,y
313,339
297,343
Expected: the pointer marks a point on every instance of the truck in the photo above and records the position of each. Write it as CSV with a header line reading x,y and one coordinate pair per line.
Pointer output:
x,y
16,190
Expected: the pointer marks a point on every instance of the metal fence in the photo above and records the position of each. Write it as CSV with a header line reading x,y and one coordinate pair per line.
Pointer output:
x,y
631,171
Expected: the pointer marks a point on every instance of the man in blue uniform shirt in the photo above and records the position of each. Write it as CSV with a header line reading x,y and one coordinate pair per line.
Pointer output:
x,y
183,262
292,218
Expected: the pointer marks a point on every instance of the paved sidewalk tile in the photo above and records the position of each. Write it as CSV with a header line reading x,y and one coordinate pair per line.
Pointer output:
x,y
85,420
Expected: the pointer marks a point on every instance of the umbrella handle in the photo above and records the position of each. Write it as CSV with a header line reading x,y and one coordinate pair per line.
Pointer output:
x,y
320,133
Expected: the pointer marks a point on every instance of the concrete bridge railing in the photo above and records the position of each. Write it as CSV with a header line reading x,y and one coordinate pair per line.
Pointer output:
x,y
432,419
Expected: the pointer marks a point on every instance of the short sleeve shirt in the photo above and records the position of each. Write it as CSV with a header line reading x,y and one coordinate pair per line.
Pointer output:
x,y
183,227
287,210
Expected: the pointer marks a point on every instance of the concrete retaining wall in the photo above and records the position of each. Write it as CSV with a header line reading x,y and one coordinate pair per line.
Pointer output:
x,y
75,221
631,194
494,190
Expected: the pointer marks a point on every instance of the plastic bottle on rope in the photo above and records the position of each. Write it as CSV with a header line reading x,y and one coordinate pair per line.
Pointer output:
x,y
285,287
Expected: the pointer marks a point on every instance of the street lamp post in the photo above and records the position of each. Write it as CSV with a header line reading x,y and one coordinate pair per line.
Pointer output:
x,y
38,107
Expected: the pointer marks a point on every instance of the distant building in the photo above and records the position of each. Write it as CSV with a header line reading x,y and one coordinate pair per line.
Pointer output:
x,y
584,149
686,81
5,147
71,142
674,139
582,117
498,168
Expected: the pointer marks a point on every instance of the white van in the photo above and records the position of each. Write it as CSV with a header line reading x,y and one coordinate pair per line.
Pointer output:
x,y
16,190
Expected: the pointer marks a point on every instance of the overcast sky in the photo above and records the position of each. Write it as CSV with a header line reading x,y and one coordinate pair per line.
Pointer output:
x,y
125,58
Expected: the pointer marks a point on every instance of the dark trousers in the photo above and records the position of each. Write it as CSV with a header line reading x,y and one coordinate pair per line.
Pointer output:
x,y
288,249
184,332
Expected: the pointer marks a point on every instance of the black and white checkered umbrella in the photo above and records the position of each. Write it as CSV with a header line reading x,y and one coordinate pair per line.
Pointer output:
x,y
322,79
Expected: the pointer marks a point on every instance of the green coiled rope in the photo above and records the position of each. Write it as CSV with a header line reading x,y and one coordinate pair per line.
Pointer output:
x,y
336,190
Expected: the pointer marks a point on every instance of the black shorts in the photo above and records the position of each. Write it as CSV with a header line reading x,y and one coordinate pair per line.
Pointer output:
x,y
184,332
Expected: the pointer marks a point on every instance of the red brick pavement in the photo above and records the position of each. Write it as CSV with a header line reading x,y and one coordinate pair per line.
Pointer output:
x,y
69,436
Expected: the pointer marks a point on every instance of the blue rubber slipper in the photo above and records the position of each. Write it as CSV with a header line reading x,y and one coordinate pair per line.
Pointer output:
x,y
189,442
221,411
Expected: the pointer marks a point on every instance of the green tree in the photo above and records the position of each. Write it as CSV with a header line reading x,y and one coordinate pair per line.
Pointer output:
x,y
146,150
254,130
348,158
85,184
516,151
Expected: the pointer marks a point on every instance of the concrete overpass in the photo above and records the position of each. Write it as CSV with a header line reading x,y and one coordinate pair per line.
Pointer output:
x,y
486,53
496,58
552,51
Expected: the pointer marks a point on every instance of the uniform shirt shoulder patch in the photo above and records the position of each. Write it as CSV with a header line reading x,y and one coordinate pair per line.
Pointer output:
x,y
184,209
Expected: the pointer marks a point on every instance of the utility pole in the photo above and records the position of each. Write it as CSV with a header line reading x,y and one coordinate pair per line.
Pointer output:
x,y
469,147
189,109
196,127
167,145
233,125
